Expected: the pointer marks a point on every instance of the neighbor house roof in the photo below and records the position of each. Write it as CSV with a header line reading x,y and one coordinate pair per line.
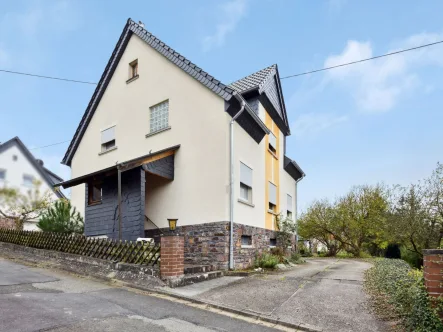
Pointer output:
x,y
293,169
224,91
50,177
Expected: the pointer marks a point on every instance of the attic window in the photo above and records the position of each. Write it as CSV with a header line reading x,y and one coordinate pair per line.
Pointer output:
x,y
14,157
133,69
108,140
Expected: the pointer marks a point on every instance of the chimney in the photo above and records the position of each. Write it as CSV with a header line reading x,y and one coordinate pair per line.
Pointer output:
x,y
141,24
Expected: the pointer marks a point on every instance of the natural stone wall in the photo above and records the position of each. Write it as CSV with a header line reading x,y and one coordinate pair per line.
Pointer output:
x,y
142,275
205,244
102,218
208,243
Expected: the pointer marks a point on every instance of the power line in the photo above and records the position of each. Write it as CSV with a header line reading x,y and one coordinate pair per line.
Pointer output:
x,y
47,77
363,60
46,146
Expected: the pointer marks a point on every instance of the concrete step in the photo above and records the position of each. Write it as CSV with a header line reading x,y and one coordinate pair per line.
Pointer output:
x,y
193,278
193,269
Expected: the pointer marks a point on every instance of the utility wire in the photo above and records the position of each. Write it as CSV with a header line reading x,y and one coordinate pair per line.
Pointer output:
x,y
285,77
46,146
47,77
363,60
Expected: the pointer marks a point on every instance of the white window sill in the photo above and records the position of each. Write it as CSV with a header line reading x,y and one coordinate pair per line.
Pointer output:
x,y
247,246
109,150
272,212
273,154
272,246
245,202
158,131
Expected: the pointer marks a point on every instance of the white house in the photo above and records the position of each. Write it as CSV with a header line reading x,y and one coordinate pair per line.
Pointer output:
x,y
19,169
161,138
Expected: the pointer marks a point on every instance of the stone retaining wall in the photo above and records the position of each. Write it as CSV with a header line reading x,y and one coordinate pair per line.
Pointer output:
x,y
208,243
138,274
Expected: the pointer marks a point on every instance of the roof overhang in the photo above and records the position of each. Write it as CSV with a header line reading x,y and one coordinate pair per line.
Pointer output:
x,y
124,166
293,169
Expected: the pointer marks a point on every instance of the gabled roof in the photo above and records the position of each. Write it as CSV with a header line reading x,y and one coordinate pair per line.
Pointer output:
x,y
266,83
50,177
179,60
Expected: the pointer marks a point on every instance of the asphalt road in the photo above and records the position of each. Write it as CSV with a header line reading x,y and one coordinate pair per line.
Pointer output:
x,y
34,299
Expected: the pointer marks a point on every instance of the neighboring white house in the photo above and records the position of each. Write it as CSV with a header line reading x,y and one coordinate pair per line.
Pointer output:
x,y
158,130
19,169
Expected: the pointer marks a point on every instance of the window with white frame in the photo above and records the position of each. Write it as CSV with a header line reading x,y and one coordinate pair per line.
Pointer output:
x,y
272,197
108,139
245,183
28,180
159,116
289,206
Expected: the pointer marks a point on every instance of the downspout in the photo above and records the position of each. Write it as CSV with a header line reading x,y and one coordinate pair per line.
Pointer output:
x,y
296,212
231,212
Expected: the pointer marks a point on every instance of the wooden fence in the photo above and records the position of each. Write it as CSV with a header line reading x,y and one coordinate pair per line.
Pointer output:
x,y
108,249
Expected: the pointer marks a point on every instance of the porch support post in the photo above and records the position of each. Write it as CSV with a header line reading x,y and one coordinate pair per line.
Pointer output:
x,y
119,180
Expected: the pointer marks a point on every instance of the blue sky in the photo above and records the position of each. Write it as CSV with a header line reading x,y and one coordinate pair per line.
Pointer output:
x,y
375,122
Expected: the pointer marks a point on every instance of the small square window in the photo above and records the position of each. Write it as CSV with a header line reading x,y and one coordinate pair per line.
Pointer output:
x,y
246,240
28,180
94,193
289,214
14,158
159,116
272,242
133,69
2,174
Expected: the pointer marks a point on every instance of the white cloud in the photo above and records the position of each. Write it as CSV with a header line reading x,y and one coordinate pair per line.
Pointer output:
x,y
310,124
231,13
378,85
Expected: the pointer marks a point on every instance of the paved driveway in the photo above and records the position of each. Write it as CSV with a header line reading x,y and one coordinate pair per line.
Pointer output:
x,y
325,293
33,299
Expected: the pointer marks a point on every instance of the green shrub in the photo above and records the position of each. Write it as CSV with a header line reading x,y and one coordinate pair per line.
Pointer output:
x,y
280,253
304,251
344,254
62,217
266,261
413,259
403,290
296,258
393,251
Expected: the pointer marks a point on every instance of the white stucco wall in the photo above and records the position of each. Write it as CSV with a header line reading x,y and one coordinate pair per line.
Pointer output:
x,y
247,151
200,190
287,186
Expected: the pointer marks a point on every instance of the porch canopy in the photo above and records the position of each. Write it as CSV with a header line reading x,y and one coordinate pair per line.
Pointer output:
x,y
160,163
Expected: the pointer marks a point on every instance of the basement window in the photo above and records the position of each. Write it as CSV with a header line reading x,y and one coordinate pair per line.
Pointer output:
x,y
246,241
272,242
95,193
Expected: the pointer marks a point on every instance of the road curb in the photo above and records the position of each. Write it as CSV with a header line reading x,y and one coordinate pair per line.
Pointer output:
x,y
300,327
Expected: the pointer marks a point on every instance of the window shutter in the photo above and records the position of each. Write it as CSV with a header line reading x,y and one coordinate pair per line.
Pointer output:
x,y
289,208
245,175
272,194
273,141
108,135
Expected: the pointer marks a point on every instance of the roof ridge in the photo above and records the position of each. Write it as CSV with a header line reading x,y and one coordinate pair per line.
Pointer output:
x,y
263,69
